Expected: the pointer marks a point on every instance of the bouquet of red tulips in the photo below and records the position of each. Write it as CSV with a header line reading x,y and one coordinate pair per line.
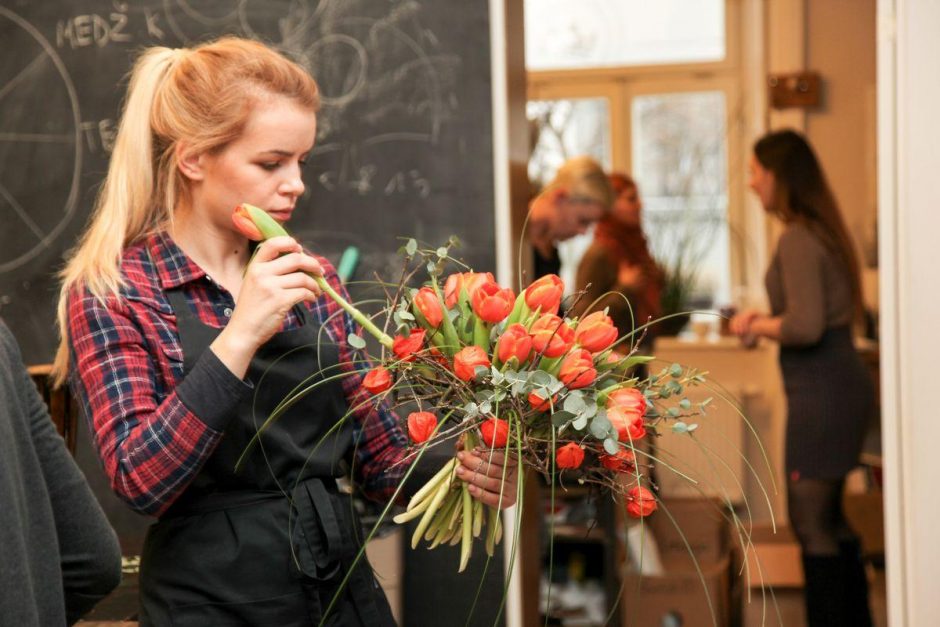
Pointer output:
x,y
505,371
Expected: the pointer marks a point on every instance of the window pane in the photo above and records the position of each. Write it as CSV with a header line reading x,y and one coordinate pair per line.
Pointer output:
x,y
561,34
680,165
562,129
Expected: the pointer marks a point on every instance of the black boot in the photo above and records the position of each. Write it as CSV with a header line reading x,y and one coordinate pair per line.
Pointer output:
x,y
857,608
825,591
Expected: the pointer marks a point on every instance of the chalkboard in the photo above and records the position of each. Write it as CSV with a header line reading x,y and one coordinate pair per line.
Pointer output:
x,y
404,149
404,146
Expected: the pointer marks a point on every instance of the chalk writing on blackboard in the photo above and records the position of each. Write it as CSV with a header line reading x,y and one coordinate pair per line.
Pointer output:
x,y
37,153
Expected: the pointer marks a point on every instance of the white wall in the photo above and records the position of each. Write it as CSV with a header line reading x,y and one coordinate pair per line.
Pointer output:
x,y
909,219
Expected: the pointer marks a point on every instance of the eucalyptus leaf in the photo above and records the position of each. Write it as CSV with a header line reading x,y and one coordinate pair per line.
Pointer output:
x,y
693,427
540,378
685,404
574,402
442,252
680,427
561,418
600,427
411,247
486,407
355,341
579,423
675,371
611,446
673,412
589,410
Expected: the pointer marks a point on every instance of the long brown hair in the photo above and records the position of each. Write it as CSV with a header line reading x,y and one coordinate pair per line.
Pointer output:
x,y
203,96
801,194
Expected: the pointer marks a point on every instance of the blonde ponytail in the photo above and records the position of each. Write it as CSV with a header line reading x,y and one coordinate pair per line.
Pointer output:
x,y
200,95
122,212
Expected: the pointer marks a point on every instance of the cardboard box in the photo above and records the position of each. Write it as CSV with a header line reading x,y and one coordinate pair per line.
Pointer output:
x,y
865,512
679,596
774,558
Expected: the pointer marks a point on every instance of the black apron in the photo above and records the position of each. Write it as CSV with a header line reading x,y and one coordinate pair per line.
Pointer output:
x,y
270,544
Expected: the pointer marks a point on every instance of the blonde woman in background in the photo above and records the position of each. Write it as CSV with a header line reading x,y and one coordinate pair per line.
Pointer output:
x,y
177,348
576,198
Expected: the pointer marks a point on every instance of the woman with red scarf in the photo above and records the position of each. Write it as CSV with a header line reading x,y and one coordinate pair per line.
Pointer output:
x,y
619,262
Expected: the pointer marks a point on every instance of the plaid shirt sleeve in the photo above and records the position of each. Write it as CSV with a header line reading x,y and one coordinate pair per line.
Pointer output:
x,y
380,444
151,444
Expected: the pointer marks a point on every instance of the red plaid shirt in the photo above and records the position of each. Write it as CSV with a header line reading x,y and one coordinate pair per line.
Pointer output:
x,y
127,370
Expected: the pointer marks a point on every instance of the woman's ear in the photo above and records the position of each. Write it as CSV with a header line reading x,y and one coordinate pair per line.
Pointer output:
x,y
189,162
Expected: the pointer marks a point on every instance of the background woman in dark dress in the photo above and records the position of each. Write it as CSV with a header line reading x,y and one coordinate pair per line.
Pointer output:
x,y
814,291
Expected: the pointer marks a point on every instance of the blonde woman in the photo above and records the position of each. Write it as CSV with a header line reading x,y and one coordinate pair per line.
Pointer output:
x,y
576,198
177,352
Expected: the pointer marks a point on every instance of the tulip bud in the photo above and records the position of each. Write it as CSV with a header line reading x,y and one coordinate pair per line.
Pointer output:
x,y
421,426
545,294
640,502
491,303
425,300
630,400
514,342
629,426
467,360
569,456
577,369
540,403
596,332
494,432
406,347
459,281
623,461
377,380
551,336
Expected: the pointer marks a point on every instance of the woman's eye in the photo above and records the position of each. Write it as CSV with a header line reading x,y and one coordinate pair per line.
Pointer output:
x,y
302,162
270,165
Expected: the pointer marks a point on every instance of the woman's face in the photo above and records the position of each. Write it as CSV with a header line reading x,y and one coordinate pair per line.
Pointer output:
x,y
627,206
263,167
762,182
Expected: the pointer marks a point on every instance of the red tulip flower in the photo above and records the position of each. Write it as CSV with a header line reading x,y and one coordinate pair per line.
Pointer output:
x,y
538,403
545,294
467,360
569,456
377,380
514,342
492,303
630,400
640,502
596,332
494,432
427,303
629,426
623,461
405,348
551,336
577,369
245,225
421,426
460,280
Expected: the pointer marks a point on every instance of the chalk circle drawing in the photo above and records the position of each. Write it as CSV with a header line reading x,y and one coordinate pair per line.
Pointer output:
x,y
40,147
193,20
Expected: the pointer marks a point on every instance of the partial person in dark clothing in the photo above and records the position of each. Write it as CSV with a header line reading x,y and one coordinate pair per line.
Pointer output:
x,y
58,554
576,198
619,264
813,285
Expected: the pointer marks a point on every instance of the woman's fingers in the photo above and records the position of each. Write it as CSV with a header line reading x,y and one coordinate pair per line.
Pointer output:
x,y
491,476
297,261
273,248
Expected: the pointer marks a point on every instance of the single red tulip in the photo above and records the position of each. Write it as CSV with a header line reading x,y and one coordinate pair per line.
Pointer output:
x,y
421,426
494,432
569,456
545,294
538,403
466,361
405,348
551,336
514,342
630,400
629,426
492,303
577,369
623,461
640,502
460,280
245,225
596,332
377,380
430,307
